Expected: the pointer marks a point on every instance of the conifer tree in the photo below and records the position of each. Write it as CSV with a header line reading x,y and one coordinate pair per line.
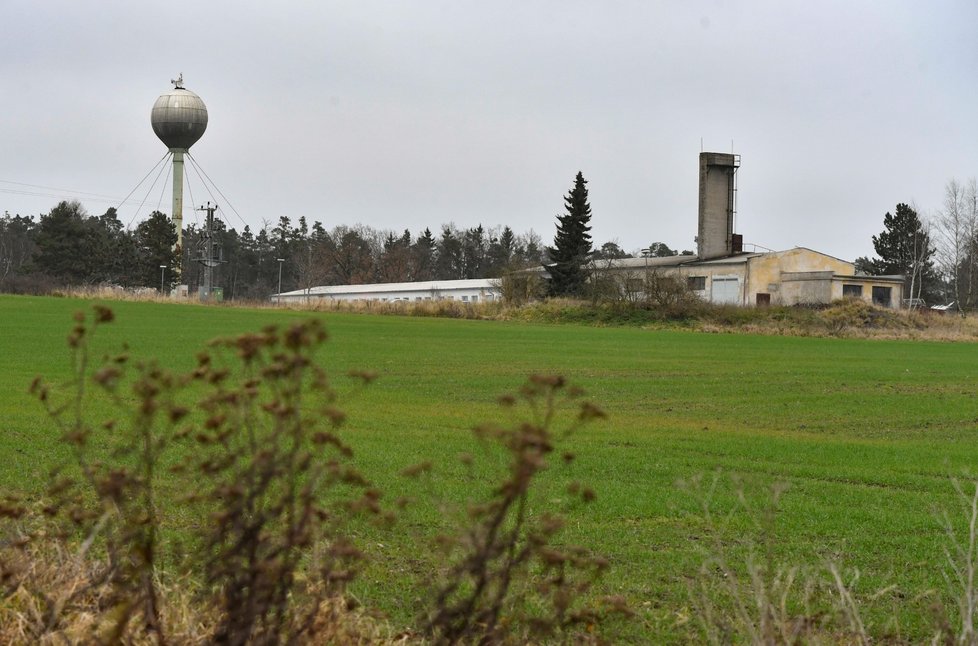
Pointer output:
x,y
905,248
155,237
572,244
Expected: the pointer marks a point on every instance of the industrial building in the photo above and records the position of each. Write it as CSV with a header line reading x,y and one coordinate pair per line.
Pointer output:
x,y
797,276
721,272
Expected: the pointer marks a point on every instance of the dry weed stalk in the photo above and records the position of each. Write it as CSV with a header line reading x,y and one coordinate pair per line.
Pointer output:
x,y
487,596
733,607
765,602
111,502
265,456
961,573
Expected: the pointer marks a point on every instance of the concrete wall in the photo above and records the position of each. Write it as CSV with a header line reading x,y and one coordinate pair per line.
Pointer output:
x,y
771,274
805,287
867,285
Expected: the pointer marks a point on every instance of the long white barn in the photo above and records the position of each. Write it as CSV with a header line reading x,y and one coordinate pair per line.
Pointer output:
x,y
469,291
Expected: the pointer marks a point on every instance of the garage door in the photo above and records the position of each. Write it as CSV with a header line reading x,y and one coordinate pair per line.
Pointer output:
x,y
726,290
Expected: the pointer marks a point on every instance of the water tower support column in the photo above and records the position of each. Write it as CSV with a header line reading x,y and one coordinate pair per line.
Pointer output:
x,y
177,213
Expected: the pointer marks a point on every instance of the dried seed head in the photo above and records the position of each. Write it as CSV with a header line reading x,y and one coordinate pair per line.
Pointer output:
x,y
417,469
366,376
590,411
507,401
103,314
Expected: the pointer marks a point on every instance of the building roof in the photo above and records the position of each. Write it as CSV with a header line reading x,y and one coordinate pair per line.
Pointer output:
x,y
891,278
642,263
373,288
739,259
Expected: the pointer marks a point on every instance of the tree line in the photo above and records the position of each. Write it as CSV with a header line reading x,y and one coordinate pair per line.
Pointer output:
x,y
938,255
67,246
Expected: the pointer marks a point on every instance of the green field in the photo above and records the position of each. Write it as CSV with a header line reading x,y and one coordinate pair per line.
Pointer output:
x,y
866,434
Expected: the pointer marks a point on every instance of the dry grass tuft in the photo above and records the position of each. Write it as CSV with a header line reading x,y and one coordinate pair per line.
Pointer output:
x,y
51,575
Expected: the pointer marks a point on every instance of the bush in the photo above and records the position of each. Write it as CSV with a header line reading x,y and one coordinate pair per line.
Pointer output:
x,y
503,547
857,313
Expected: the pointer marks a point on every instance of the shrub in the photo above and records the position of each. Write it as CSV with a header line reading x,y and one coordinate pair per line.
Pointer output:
x,y
265,454
503,542
520,287
857,313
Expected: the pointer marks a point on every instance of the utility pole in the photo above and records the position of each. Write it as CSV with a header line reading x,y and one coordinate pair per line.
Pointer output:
x,y
162,274
645,279
280,261
207,257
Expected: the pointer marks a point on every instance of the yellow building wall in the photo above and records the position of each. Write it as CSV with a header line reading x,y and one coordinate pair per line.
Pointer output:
x,y
764,276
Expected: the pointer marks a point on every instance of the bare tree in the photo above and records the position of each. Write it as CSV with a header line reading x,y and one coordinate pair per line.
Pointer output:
x,y
921,250
16,244
957,228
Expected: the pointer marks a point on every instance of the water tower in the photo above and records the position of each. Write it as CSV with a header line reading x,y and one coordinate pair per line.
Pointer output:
x,y
179,119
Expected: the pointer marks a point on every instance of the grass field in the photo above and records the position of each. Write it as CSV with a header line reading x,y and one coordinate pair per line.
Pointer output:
x,y
865,433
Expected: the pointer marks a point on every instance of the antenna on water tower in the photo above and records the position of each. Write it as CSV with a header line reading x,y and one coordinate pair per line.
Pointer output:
x,y
179,119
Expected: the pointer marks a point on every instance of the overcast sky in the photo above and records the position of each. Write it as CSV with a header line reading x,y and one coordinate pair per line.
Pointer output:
x,y
410,114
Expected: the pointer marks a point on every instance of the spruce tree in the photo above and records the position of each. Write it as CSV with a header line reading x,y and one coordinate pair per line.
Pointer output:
x,y
155,238
905,248
572,244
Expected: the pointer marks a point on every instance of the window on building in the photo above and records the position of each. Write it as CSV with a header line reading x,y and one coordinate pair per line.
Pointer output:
x,y
763,298
465,298
852,291
881,296
696,283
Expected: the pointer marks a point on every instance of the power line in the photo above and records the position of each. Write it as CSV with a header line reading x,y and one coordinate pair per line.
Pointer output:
x,y
102,196
159,203
226,200
59,195
192,202
205,184
150,189
140,183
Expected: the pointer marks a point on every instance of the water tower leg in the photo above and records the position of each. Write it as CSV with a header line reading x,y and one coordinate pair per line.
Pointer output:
x,y
177,214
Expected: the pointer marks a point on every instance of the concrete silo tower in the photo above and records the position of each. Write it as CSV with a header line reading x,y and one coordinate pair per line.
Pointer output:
x,y
718,206
179,119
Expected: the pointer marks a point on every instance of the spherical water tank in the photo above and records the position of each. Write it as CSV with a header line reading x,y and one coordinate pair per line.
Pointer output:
x,y
179,118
